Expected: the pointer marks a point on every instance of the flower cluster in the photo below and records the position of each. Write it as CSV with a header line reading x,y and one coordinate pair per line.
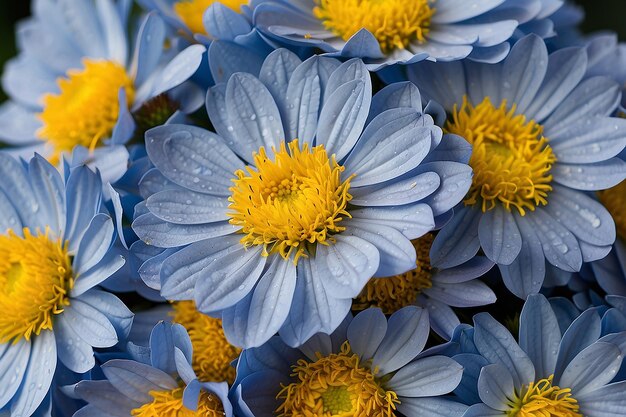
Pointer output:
x,y
312,208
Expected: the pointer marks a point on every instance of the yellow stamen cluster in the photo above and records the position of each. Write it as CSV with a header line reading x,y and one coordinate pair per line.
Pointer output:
x,y
87,108
191,11
511,158
394,23
337,385
170,404
291,201
212,354
35,279
542,399
614,199
393,293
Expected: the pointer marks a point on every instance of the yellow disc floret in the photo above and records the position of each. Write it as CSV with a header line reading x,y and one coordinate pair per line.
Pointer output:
x,y
35,279
542,399
614,199
291,201
87,107
393,293
191,11
394,23
170,404
511,158
212,354
337,385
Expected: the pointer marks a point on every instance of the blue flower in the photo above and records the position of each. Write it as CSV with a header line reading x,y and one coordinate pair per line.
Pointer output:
x,y
548,372
431,288
367,363
385,33
541,151
54,249
282,234
158,381
74,86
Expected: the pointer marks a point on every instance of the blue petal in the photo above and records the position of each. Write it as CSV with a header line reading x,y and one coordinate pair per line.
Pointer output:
x,y
276,73
584,331
472,363
497,345
13,361
456,179
193,158
481,410
75,353
252,112
395,96
362,44
187,207
179,69
344,267
125,125
104,398
94,244
38,375
222,22
443,82
397,192
17,124
26,80
452,148
313,309
136,379
560,247
412,220
464,294
116,312
268,308
114,31
452,11
539,335
495,386
181,270
499,236
474,268
406,336
227,58
17,188
83,195
155,231
149,47
566,68
525,275
458,241
164,340
366,331
260,391
90,324
431,407
50,191
607,401
592,368
443,320
229,278
598,176
427,377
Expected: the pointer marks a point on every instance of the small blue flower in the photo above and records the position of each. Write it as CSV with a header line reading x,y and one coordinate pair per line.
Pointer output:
x,y
434,289
158,381
283,233
368,363
548,372
77,82
385,33
54,249
540,152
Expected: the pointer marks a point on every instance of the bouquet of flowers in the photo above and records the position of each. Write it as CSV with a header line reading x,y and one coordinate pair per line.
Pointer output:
x,y
312,208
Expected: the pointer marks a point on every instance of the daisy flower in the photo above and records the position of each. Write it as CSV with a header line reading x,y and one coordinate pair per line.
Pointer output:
x,y
547,372
158,381
367,367
536,151
301,197
78,85
54,249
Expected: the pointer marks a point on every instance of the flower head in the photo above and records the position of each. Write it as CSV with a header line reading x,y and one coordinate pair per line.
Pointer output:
x,y
306,193
55,247
368,367
536,151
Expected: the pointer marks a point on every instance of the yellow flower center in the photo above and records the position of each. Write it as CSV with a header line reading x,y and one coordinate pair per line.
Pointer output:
x,y
614,199
393,293
35,279
87,108
170,404
542,399
191,11
394,23
291,201
212,354
337,385
511,158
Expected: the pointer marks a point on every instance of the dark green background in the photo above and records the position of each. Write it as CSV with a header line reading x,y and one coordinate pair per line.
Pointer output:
x,y
601,15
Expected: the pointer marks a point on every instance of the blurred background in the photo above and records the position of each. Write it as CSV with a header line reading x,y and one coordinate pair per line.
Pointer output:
x,y
601,15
